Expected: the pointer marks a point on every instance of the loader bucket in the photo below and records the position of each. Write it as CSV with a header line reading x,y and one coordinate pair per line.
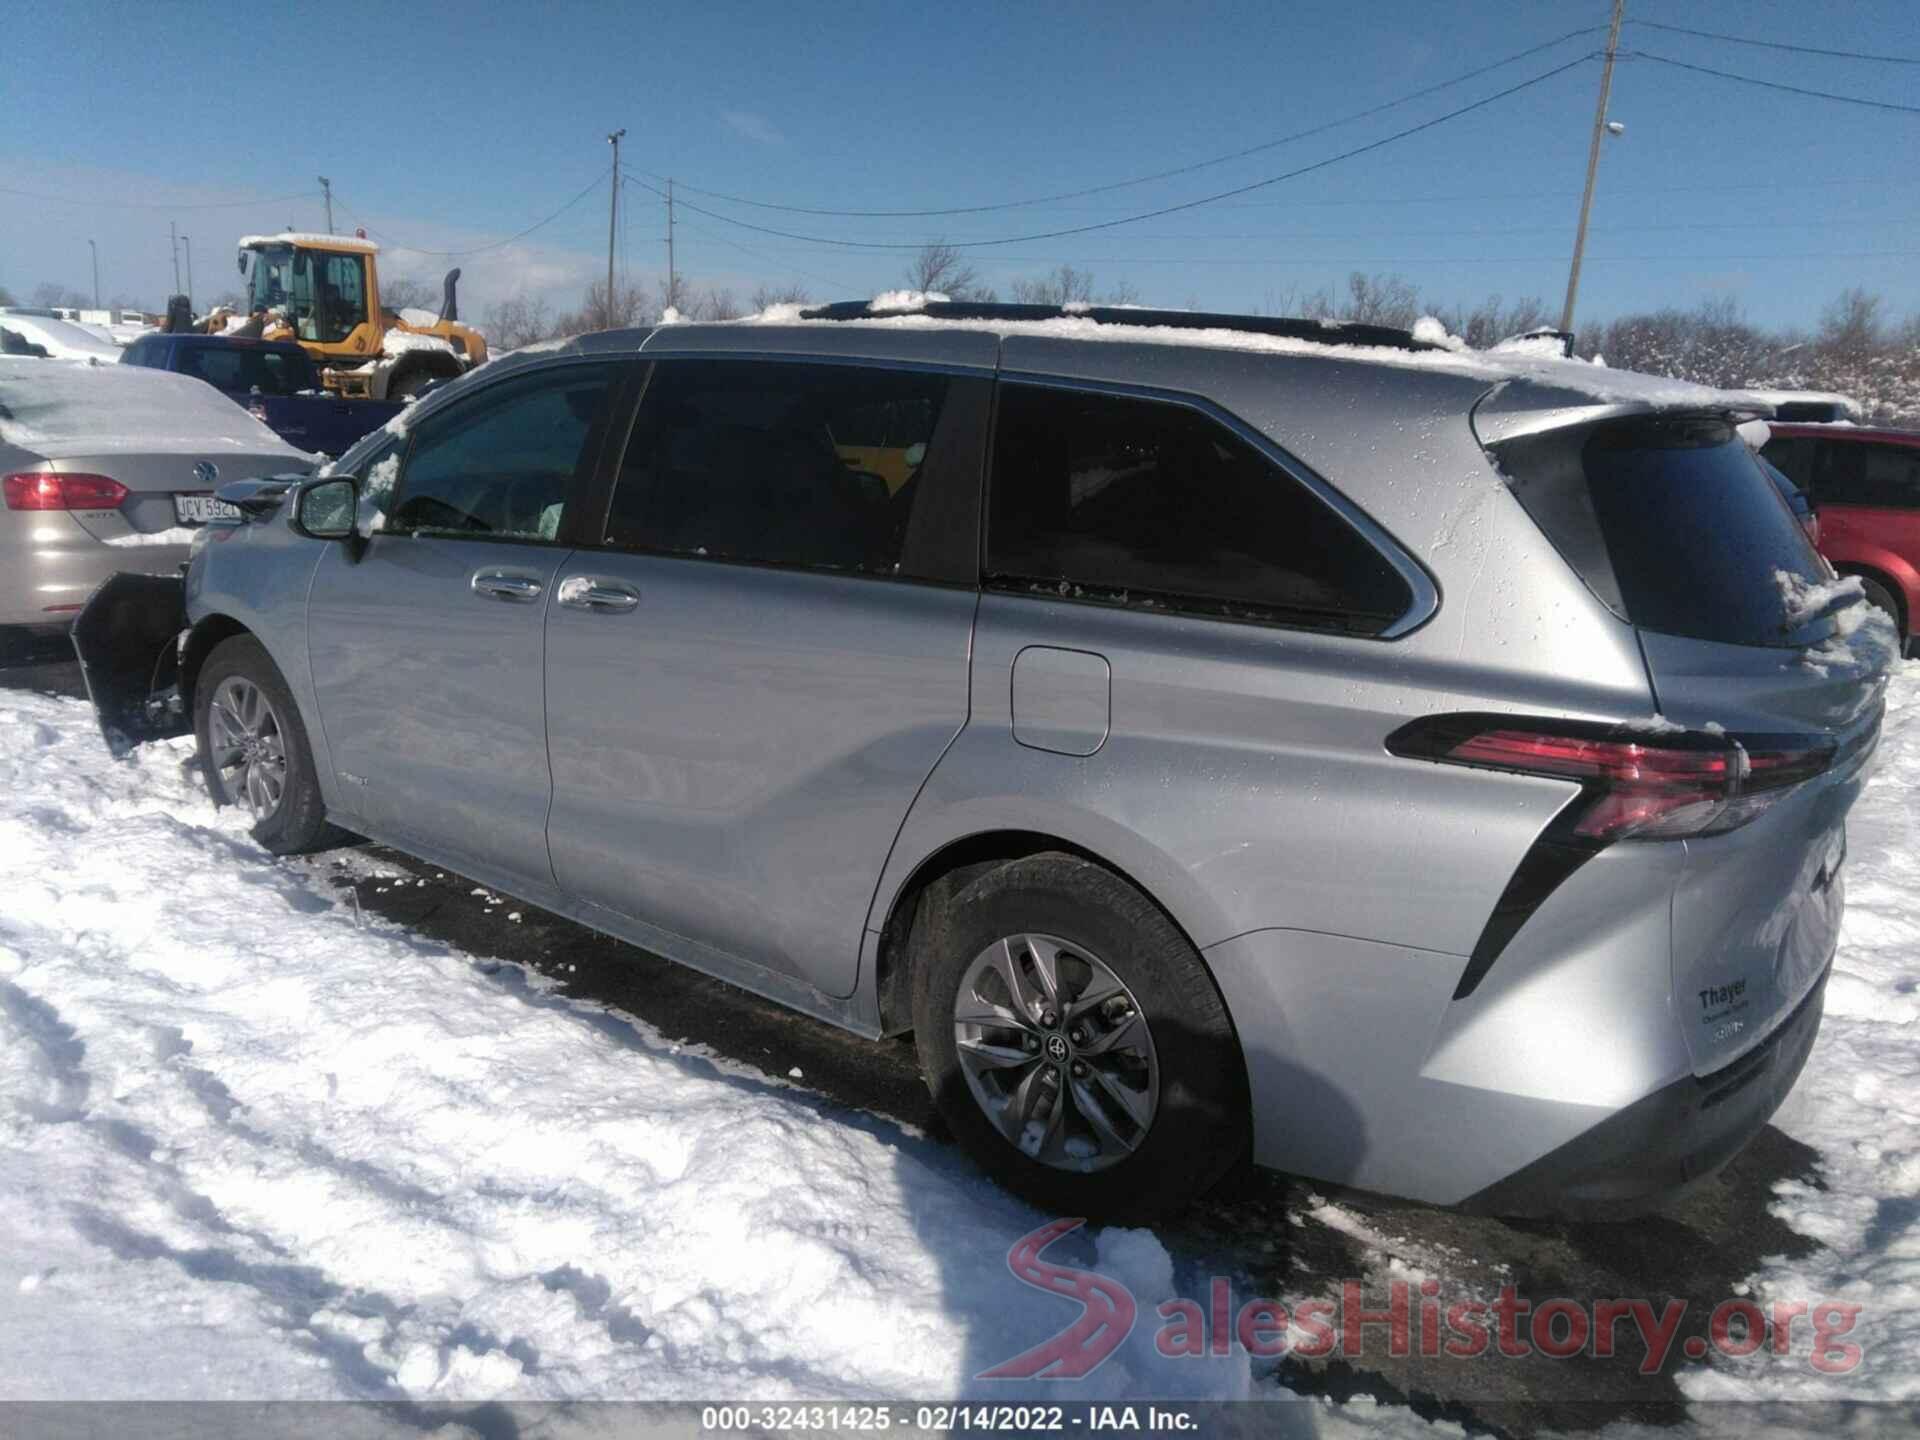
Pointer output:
x,y
126,640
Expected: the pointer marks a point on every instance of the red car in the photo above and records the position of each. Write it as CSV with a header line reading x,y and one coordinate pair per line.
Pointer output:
x,y
1865,487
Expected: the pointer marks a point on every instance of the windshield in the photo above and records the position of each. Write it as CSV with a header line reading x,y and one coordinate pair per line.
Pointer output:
x,y
321,295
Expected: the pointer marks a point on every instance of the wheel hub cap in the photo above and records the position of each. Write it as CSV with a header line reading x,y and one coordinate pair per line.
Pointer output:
x,y
247,747
1056,1052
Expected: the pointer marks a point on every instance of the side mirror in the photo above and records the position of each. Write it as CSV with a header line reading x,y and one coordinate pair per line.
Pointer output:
x,y
325,509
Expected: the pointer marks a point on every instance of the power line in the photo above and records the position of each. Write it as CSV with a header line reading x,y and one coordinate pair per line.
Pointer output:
x,y
158,204
760,255
1165,209
1350,261
1769,84
1779,45
1143,179
496,244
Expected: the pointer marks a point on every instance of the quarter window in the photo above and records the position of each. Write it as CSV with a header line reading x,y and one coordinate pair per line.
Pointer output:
x,y
1131,501
779,463
501,464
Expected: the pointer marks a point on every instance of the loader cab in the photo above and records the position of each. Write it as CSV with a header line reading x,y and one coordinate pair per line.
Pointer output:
x,y
322,293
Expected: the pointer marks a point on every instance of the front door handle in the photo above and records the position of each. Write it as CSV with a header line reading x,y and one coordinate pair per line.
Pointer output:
x,y
499,585
596,592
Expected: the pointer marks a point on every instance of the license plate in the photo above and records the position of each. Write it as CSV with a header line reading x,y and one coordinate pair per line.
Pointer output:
x,y
199,509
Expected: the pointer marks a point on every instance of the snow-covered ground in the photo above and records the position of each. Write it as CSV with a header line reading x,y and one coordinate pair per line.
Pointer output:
x,y
255,1144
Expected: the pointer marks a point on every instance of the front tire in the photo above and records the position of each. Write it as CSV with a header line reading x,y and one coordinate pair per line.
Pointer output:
x,y
1076,1044
254,750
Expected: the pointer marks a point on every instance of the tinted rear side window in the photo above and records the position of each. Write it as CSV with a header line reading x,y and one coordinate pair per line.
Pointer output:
x,y
1670,521
1861,472
810,465
1134,501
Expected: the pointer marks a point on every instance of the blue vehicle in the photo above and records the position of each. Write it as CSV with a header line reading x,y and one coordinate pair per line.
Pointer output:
x,y
273,379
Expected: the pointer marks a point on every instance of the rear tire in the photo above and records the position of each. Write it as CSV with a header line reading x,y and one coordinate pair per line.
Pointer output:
x,y
1118,1108
254,751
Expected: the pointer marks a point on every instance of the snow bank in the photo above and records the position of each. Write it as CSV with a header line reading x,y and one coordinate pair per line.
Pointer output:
x,y
255,1147
1858,1104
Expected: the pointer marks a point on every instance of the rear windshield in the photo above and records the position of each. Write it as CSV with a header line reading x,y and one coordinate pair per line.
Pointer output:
x,y
272,372
1671,522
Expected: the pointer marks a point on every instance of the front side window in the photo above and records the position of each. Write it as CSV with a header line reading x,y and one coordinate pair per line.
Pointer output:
x,y
1133,501
501,463
777,463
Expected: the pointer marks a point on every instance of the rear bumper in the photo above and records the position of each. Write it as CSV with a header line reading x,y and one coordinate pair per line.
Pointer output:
x,y
1657,1148
49,565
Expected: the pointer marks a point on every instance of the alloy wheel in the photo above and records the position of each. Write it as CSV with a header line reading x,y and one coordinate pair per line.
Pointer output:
x,y
247,745
1056,1052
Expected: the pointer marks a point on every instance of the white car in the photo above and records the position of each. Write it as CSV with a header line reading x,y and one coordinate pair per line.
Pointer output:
x,y
61,339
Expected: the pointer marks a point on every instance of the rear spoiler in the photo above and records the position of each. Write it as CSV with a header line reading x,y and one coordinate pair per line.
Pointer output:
x,y
127,637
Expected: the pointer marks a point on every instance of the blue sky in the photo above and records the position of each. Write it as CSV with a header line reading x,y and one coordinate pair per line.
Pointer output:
x,y
447,127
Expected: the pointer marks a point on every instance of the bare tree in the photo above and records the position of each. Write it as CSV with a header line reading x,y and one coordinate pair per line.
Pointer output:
x,y
1380,300
47,295
767,296
629,305
1062,286
521,320
408,292
1851,325
711,304
1493,320
6,296
942,270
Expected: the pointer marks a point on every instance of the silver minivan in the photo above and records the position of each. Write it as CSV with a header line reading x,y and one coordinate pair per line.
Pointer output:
x,y
1424,771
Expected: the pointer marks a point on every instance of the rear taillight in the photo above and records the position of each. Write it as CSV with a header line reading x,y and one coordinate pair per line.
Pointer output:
x,y
1635,786
51,490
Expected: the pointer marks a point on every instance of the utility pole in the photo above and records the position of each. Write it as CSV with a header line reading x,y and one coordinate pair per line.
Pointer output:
x,y
173,241
96,273
673,277
613,214
1593,166
187,240
326,192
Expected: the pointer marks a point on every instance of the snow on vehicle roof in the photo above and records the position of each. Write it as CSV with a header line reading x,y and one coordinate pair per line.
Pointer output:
x,y
62,339
1845,404
1438,350
312,241
56,407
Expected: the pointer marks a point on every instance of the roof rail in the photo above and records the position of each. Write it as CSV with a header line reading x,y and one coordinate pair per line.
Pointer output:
x,y
1324,332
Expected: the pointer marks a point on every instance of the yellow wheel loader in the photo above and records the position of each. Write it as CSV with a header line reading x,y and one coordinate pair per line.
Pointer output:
x,y
323,291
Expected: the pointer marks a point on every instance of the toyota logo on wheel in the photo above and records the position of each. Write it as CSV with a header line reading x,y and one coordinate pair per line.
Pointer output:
x,y
1056,1049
